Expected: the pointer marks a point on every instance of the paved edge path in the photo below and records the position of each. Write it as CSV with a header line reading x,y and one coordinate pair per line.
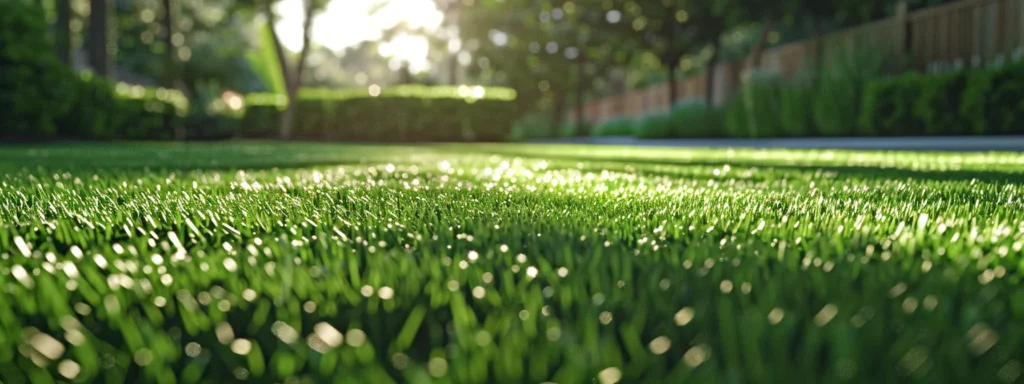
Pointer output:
x,y
944,143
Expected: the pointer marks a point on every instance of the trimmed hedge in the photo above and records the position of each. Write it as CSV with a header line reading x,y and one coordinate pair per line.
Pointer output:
x,y
762,95
693,119
797,119
655,126
407,113
888,106
981,102
41,98
32,87
938,106
617,126
993,102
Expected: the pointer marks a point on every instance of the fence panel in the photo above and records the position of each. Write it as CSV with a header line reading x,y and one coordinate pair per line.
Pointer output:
x,y
965,33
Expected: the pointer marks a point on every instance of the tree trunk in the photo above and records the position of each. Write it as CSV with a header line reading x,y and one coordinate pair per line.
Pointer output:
x,y
709,95
673,93
453,70
405,76
581,87
170,70
292,79
63,39
816,49
170,65
100,39
757,53
558,110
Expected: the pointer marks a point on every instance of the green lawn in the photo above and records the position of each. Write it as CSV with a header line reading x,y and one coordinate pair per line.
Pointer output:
x,y
307,262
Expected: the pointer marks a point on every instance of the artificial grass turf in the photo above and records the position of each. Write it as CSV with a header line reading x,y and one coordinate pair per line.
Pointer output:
x,y
263,262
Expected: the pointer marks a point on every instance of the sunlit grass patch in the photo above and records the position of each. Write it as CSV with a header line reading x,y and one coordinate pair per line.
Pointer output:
x,y
507,263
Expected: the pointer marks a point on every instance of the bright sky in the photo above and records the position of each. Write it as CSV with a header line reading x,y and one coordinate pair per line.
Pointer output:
x,y
346,23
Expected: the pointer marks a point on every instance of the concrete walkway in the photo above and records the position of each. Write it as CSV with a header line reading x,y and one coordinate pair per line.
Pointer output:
x,y
964,143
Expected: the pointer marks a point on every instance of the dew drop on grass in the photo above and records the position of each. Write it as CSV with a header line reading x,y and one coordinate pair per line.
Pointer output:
x,y
69,369
684,316
660,345
386,293
609,376
355,337
825,315
241,346
193,349
531,271
437,367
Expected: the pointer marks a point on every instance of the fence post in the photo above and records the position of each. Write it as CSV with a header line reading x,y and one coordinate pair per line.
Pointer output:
x,y
902,34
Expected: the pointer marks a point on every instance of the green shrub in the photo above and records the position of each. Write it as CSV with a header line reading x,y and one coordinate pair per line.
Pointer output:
x,y
835,107
839,94
34,86
95,111
888,106
937,108
105,111
43,98
761,94
402,113
213,118
262,114
796,115
993,102
532,126
654,126
693,119
571,129
735,112
617,126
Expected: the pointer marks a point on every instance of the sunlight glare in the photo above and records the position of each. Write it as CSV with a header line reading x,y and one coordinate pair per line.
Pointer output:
x,y
346,23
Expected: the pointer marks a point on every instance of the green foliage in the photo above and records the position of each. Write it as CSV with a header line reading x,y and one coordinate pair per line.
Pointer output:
x,y
761,95
213,118
533,126
693,119
309,262
617,126
735,112
655,126
916,104
888,106
570,129
795,110
42,98
840,86
401,113
33,86
938,105
96,110
993,102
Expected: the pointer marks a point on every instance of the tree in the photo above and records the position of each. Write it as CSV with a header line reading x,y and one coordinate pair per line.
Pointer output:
x,y
551,51
600,49
170,65
292,73
102,46
711,18
670,30
517,42
450,9
62,40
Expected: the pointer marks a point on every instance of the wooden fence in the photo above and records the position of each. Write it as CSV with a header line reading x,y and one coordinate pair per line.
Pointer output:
x,y
962,34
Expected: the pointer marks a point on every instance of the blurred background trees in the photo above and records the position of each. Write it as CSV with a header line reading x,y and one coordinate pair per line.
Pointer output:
x,y
556,54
